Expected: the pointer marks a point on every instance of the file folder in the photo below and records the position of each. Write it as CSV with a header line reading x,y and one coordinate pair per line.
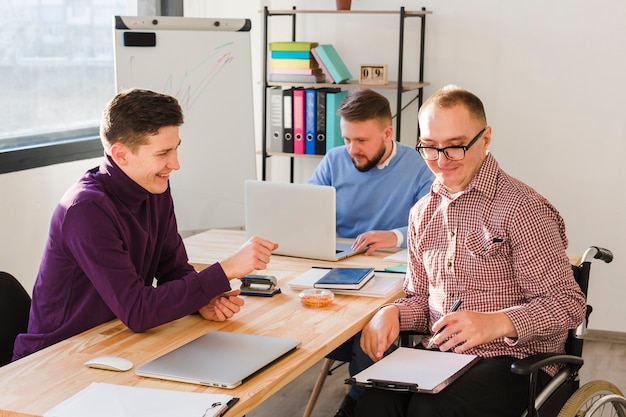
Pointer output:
x,y
333,130
275,120
298,121
320,119
310,127
287,121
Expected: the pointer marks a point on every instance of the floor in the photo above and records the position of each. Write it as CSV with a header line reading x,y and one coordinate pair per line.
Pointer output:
x,y
603,360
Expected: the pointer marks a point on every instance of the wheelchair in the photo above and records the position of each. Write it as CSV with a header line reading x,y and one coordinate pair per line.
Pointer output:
x,y
563,396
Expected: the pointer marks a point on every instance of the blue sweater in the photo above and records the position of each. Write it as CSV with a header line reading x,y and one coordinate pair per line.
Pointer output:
x,y
379,199
109,239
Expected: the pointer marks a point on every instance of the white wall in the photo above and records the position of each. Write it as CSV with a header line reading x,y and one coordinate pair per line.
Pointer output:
x,y
550,75
28,199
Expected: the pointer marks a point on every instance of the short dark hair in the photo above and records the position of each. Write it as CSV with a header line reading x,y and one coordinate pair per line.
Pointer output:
x,y
133,115
361,105
452,95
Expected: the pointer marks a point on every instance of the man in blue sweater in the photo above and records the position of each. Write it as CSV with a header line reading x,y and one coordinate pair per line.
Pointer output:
x,y
377,180
114,250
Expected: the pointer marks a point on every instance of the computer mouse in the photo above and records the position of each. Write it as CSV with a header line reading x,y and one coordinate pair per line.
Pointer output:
x,y
110,363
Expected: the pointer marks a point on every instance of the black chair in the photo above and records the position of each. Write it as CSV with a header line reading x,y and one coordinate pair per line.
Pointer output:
x,y
563,396
14,311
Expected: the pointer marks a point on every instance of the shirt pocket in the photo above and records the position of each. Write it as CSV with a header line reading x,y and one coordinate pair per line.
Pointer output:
x,y
484,244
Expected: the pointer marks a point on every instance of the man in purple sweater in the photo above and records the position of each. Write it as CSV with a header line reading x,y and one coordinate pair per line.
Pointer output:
x,y
114,250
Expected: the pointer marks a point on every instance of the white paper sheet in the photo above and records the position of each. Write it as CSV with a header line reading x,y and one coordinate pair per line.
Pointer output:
x,y
400,256
110,400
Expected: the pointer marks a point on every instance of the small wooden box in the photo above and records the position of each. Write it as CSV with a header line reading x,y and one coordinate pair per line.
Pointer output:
x,y
373,74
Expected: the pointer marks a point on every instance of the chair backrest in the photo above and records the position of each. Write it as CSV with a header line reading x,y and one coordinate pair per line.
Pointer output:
x,y
574,344
14,311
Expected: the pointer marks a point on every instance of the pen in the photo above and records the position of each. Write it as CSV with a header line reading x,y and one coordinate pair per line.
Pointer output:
x,y
454,308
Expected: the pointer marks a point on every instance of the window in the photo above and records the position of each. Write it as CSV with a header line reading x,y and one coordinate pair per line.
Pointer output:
x,y
57,72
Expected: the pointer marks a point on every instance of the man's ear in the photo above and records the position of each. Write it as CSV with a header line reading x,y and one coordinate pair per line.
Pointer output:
x,y
119,153
389,133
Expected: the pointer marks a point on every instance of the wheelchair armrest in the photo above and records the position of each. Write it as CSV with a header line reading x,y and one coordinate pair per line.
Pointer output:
x,y
532,364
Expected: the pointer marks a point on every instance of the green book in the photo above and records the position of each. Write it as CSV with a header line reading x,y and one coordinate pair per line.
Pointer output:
x,y
292,46
333,63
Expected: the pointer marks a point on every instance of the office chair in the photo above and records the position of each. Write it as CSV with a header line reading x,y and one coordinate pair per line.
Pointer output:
x,y
14,311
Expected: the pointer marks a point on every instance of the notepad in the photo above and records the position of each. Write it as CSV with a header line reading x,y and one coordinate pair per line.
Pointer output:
x,y
345,278
106,400
415,370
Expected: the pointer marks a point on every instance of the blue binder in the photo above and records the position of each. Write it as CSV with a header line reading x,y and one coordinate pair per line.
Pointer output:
x,y
310,103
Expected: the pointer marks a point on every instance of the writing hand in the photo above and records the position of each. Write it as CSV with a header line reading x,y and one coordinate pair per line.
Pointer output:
x,y
464,330
222,307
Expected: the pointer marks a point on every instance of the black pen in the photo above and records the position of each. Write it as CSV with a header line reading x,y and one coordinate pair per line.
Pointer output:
x,y
454,308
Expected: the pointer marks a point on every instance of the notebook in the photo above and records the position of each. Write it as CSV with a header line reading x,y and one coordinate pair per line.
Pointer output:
x,y
301,218
415,370
218,359
345,278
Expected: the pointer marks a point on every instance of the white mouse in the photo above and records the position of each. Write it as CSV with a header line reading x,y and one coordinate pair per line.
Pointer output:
x,y
110,363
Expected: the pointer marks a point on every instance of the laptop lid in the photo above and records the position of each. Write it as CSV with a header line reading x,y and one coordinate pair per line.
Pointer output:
x,y
301,218
218,359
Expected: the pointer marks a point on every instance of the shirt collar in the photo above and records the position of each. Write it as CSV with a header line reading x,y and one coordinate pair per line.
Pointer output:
x,y
484,181
384,164
121,185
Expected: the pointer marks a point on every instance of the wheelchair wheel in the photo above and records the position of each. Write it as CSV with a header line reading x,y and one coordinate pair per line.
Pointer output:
x,y
595,399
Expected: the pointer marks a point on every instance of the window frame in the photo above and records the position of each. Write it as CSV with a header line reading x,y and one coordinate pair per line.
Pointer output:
x,y
70,145
47,149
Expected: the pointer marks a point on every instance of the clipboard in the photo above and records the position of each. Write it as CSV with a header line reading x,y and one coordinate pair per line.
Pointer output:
x,y
415,370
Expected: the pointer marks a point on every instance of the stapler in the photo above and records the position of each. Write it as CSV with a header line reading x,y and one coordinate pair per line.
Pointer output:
x,y
261,285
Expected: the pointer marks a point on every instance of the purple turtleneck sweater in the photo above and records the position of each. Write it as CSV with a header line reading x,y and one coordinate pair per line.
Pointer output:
x,y
109,240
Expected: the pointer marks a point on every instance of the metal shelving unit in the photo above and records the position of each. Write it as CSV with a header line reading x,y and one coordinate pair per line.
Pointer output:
x,y
399,85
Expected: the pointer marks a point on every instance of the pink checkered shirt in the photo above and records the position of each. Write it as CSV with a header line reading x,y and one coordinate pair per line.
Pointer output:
x,y
499,246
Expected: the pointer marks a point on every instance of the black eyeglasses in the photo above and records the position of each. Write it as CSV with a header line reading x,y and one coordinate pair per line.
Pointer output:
x,y
453,153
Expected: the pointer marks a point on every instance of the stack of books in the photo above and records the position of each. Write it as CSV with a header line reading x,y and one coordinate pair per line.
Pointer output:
x,y
331,64
292,62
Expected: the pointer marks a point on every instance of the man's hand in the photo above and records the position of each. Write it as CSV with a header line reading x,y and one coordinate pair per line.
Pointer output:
x,y
254,254
467,329
375,239
380,332
222,307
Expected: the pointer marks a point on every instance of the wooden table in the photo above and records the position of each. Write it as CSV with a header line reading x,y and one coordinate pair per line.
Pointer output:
x,y
36,383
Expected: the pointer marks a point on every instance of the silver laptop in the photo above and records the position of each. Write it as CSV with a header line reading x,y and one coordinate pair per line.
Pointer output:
x,y
218,359
301,218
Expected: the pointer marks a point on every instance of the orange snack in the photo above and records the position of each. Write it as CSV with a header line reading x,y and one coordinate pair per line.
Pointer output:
x,y
315,297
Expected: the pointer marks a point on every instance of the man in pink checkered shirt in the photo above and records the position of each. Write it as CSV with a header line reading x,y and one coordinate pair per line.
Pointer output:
x,y
489,240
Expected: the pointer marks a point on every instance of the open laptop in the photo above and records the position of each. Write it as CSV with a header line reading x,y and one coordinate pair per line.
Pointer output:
x,y
301,218
218,359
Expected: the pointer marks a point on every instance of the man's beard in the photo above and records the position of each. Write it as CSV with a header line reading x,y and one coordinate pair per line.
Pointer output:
x,y
371,163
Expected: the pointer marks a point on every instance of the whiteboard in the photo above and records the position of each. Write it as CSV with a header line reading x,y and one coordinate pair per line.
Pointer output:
x,y
206,64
